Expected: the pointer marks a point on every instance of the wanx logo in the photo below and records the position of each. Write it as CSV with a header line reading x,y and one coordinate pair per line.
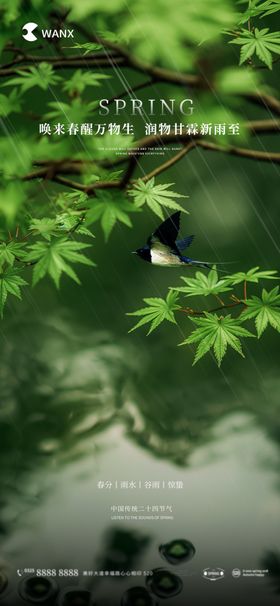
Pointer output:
x,y
29,28
45,33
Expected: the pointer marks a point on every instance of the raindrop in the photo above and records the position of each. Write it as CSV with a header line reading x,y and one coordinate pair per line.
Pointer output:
x,y
3,582
164,584
38,590
137,596
76,597
177,551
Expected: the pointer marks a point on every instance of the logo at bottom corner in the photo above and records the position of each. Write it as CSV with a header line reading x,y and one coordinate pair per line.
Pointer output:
x,y
236,573
213,574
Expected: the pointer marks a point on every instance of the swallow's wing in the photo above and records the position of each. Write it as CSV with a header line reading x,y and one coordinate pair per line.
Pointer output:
x,y
167,232
184,243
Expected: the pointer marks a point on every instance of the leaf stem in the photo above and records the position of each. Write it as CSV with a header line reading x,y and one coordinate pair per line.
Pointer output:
x,y
192,312
245,290
220,300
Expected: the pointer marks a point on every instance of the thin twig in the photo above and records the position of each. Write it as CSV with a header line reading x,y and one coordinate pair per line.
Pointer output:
x,y
192,312
243,152
166,165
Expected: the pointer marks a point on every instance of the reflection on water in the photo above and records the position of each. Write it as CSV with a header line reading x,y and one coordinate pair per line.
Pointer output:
x,y
164,584
177,551
122,549
137,596
77,408
38,590
271,560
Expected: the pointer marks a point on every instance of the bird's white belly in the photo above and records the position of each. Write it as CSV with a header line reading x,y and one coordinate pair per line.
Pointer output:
x,y
160,257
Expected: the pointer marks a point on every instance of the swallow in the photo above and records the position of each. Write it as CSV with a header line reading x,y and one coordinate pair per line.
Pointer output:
x,y
164,249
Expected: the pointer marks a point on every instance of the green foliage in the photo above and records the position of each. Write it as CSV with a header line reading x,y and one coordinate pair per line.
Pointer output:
x,y
110,207
42,76
12,197
260,42
38,225
156,311
76,111
80,80
10,104
10,284
253,275
203,284
184,27
45,227
268,8
81,10
16,157
87,47
11,252
62,223
265,310
257,8
155,196
236,81
53,256
70,223
217,333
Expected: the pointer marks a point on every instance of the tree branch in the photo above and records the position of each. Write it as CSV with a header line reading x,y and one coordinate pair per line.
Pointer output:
x,y
54,171
166,165
154,140
267,101
191,312
243,152
71,61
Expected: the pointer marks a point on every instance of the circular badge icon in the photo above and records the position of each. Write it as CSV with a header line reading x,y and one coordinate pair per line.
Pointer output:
x,y
236,573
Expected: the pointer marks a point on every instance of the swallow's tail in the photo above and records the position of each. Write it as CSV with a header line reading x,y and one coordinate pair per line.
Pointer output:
x,y
204,264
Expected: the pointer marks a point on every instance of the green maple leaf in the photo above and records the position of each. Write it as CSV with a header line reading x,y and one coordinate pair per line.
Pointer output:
x,y
10,284
260,42
218,333
269,7
203,284
10,104
62,223
42,76
88,47
261,10
72,199
75,112
156,312
155,196
253,275
72,222
45,227
110,207
265,310
80,80
11,251
53,257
